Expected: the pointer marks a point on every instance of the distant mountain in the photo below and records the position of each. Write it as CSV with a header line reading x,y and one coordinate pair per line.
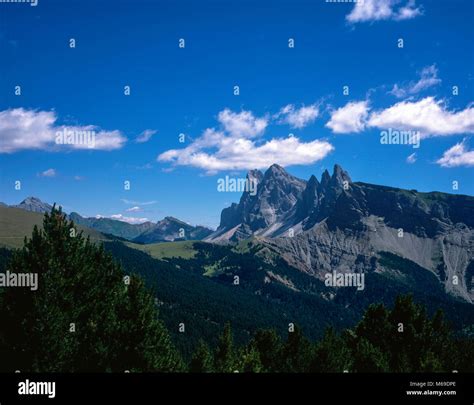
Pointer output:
x,y
112,226
337,225
168,229
34,204
172,229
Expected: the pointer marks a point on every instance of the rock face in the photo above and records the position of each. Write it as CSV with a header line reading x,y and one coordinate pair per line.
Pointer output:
x,y
272,206
34,204
336,224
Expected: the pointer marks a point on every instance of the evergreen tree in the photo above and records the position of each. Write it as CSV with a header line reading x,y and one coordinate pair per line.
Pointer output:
x,y
368,358
269,346
224,359
331,354
248,360
201,361
404,339
83,316
297,352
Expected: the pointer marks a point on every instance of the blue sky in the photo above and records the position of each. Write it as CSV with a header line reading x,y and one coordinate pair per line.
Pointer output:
x,y
290,110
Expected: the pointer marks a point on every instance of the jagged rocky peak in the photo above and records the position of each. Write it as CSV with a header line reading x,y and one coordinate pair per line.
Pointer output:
x,y
309,198
313,181
325,179
276,169
172,219
278,191
340,175
255,174
34,204
254,179
277,173
282,199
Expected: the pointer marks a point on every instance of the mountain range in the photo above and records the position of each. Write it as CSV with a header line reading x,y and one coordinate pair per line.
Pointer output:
x,y
280,244
335,224
329,225
168,229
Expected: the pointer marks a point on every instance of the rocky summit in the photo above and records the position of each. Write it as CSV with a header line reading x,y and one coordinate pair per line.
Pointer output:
x,y
34,204
335,224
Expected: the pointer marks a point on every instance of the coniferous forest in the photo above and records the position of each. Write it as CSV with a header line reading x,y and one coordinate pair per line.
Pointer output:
x,y
90,314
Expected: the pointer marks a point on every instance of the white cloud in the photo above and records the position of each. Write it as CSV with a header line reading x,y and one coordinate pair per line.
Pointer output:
x,y
132,202
349,119
428,78
376,10
429,116
145,136
134,209
298,118
48,173
22,129
243,154
242,124
457,155
411,158
129,220
231,149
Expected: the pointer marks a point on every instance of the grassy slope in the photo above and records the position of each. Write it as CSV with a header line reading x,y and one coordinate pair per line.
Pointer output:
x,y
16,223
182,249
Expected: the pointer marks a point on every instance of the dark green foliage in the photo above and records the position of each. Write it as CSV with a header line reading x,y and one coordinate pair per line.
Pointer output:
x,y
225,360
248,360
117,329
269,345
404,339
202,361
297,352
184,293
368,358
201,303
84,316
376,344
331,354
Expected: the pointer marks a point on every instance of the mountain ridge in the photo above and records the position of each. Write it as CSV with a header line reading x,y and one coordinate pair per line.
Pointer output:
x,y
338,224
152,232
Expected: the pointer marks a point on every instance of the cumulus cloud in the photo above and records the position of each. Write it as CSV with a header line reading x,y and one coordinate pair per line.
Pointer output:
x,y
298,117
457,155
48,173
428,116
349,119
145,136
22,129
232,148
242,124
428,78
377,10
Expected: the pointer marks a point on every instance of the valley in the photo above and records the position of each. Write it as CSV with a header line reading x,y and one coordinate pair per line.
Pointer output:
x,y
280,243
